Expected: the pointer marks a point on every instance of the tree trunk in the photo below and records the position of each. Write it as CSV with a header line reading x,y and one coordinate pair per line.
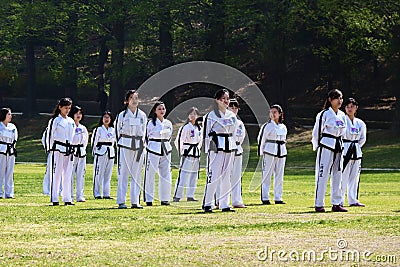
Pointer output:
x,y
30,103
216,34
166,54
117,59
71,43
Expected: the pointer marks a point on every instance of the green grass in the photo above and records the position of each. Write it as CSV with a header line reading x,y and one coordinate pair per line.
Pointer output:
x,y
96,233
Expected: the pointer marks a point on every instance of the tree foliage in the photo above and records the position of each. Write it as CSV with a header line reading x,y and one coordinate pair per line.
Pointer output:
x,y
53,48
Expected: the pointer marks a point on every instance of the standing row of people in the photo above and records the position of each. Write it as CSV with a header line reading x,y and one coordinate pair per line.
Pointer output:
x,y
337,137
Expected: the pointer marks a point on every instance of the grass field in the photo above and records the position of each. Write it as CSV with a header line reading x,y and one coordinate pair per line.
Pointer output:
x,y
96,233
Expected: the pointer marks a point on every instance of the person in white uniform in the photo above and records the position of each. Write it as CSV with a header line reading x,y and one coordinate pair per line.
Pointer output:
x,y
354,140
130,127
236,175
272,147
219,128
59,136
188,143
327,137
79,144
103,142
8,152
158,158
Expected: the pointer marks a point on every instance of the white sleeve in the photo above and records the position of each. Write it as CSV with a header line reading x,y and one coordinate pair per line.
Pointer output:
x,y
44,139
94,139
363,135
117,125
178,143
261,139
241,137
315,133
85,138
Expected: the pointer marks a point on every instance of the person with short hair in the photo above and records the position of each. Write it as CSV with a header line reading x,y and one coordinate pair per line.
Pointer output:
x,y
79,144
354,140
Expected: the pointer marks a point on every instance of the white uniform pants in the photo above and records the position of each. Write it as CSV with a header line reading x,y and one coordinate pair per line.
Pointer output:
x,y
236,181
219,169
163,165
79,170
46,178
6,175
350,181
327,163
103,166
188,175
272,165
128,166
61,172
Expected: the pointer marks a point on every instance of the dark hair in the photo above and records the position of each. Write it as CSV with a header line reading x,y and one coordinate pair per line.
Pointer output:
x,y
233,103
351,100
153,110
280,110
218,95
196,122
127,95
333,94
107,112
3,113
66,101
74,110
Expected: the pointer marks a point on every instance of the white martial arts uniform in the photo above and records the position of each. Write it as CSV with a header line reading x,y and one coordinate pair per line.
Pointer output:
x,y
8,138
355,138
271,146
103,141
236,175
58,138
79,144
188,143
158,157
130,131
327,135
220,144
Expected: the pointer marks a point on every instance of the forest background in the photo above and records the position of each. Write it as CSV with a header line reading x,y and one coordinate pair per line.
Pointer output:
x,y
294,50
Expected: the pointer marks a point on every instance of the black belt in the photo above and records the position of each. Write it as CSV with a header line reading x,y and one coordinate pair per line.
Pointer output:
x,y
69,149
338,143
10,148
133,144
215,136
279,143
100,144
191,147
350,141
77,151
351,152
162,141
338,146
